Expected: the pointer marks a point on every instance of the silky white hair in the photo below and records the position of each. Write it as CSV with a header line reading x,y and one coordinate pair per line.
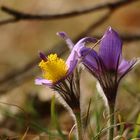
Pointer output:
x,y
101,93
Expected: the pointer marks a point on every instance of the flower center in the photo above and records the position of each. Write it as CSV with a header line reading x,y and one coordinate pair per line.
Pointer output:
x,y
53,68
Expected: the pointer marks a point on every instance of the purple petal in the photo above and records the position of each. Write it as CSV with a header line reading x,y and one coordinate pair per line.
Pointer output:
x,y
67,39
72,61
75,53
126,66
81,44
110,49
89,58
40,81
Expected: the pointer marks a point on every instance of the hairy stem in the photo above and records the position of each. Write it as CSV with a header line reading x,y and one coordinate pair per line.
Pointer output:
x,y
111,121
78,125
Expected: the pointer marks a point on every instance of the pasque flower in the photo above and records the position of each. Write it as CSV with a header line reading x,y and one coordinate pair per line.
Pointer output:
x,y
108,65
59,75
64,77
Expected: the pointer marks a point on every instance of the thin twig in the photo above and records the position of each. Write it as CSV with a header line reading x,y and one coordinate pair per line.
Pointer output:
x,y
18,15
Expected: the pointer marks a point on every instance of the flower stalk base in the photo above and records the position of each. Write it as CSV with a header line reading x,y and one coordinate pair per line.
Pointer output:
x,y
111,122
78,125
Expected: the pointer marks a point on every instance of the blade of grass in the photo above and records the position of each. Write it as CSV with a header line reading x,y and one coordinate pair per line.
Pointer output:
x,y
55,119
87,114
97,116
121,126
137,128
39,128
106,128
25,134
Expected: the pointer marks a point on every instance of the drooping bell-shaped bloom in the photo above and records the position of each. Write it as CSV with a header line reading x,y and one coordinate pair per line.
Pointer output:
x,y
59,75
108,65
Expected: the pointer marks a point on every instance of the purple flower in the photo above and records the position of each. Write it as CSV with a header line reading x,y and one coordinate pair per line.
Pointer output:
x,y
59,75
55,69
108,65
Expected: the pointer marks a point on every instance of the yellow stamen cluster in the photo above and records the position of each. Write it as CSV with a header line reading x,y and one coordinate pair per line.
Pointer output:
x,y
54,68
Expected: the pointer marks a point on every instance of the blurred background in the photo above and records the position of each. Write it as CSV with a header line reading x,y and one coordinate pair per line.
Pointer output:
x,y
25,105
